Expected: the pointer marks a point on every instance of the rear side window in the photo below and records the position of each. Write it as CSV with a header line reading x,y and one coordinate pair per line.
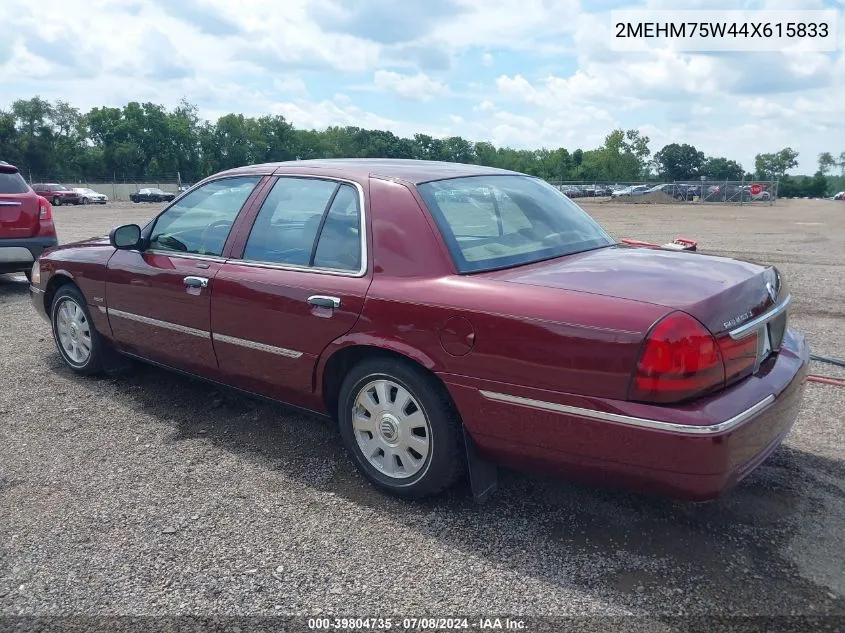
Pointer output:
x,y
12,183
308,222
492,222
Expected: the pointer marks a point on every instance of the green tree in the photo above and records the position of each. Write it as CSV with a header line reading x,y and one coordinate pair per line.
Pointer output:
x,y
35,134
679,162
826,162
485,154
718,168
623,156
774,166
818,185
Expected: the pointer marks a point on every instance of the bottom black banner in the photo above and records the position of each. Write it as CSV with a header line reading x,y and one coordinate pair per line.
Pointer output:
x,y
422,624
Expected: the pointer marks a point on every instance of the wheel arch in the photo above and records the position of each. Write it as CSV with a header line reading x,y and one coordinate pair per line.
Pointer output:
x,y
342,355
57,280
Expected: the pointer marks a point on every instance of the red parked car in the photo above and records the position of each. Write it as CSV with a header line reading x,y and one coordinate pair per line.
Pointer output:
x,y
57,194
450,317
26,223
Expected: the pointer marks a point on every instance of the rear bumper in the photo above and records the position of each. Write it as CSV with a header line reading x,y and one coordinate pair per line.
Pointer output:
x,y
18,254
696,451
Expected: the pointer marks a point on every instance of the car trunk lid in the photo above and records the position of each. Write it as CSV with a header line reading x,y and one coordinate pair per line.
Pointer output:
x,y
723,294
19,208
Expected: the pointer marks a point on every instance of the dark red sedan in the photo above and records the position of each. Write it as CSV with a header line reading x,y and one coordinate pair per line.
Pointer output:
x,y
57,194
450,317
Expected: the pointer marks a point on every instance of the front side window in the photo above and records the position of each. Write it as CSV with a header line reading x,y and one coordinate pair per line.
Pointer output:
x,y
200,222
492,222
308,222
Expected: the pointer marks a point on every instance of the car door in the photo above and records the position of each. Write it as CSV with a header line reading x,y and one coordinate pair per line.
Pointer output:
x,y
298,284
157,299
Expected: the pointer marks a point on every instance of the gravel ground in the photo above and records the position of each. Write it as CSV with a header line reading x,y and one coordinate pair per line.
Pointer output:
x,y
155,494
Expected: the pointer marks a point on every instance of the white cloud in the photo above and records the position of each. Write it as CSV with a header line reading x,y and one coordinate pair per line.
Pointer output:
x,y
340,111
558,81
290,84
484,106
419,87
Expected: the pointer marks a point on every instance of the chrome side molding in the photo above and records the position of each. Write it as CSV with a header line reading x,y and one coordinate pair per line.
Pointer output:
x,y
658,425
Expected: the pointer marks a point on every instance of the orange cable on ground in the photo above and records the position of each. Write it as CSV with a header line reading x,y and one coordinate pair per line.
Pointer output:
x,y
825,380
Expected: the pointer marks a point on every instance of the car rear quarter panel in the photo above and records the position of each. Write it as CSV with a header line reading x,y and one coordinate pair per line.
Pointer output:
x,y
461,325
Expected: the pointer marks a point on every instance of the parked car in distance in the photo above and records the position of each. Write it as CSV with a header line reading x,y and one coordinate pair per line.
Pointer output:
x,y
747,194
636,190
676,191
839,196
151,194
26,223
449,317
57,194
89,196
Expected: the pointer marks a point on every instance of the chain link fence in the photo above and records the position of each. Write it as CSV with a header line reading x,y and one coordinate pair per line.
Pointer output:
x,y
758,192
115,186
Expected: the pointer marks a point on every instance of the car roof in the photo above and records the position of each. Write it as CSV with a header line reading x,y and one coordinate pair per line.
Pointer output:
x,y
413,171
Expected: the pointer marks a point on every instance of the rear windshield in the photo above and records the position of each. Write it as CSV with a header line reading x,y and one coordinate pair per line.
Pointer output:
x,y
492,222
12,183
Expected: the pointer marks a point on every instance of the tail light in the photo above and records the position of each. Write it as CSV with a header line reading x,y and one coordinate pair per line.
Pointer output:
x,y
740,356
680,359
45,227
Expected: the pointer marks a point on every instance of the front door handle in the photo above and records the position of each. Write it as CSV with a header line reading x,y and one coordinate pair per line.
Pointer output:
x,y
196,282
323,301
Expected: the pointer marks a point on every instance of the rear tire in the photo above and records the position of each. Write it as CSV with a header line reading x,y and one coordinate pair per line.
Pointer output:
x,y
400,428
57,202
74,333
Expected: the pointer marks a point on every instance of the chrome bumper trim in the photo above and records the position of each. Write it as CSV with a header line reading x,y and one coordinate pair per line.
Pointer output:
x,y
746,329
657,425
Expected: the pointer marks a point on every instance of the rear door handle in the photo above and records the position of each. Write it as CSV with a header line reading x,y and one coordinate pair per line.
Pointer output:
x,y
196,282
323,301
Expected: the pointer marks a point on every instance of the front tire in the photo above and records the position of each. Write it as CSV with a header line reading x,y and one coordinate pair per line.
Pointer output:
x,y
84,200
401,428
76,337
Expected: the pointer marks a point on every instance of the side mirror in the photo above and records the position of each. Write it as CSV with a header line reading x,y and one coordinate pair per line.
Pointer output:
x,y
126,237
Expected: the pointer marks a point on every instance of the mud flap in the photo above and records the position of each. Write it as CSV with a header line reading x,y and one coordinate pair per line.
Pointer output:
x,y
114,363
483,475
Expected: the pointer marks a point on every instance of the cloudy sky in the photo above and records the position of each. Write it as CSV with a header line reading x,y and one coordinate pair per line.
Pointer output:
x,y
523,73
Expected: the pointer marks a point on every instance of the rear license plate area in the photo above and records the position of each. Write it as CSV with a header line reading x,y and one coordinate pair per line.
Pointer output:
x,y
770,338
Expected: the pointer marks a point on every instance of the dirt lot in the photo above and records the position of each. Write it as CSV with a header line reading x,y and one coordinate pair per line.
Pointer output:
x,y
155,494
